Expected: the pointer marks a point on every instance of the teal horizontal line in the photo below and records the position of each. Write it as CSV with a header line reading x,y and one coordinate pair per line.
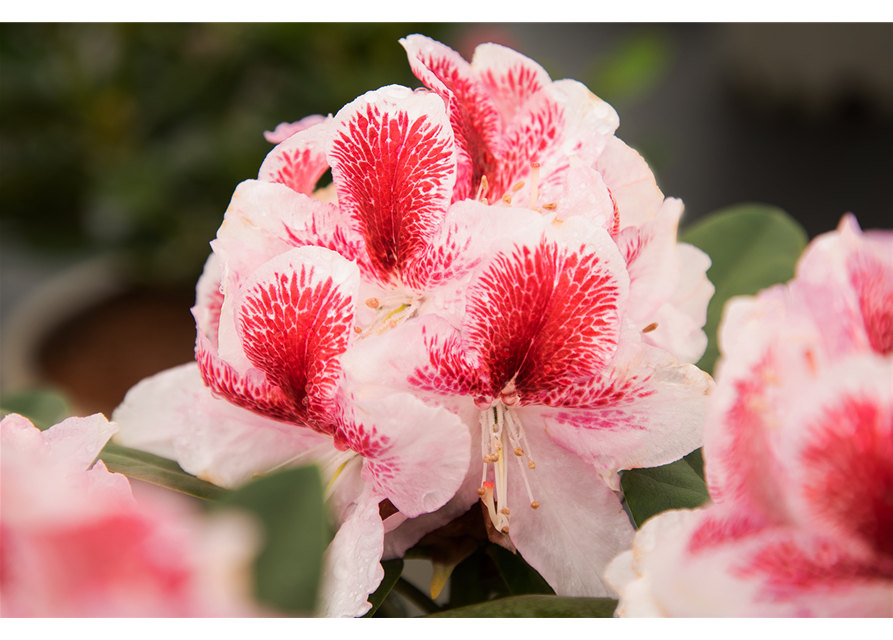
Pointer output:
x,y
743,620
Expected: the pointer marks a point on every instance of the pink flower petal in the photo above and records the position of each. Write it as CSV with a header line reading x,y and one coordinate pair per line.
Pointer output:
x,y
578,518
397,435
643,410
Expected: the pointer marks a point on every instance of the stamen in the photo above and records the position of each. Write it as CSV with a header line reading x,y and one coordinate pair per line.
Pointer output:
x,y
534,183
551,206
485,186
518,186
482,492
505,510
519,451
515,427
373,303
651,327
534,505
358,330
505,530
484,201
507,199
531,464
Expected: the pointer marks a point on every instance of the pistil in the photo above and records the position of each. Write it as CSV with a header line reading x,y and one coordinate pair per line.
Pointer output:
x,y
392,311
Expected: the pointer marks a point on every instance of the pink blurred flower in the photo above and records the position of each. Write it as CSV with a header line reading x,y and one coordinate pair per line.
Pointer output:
x,y
798,450
76,544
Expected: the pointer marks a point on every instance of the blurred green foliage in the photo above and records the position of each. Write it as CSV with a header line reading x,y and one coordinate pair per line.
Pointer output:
x,y
132,137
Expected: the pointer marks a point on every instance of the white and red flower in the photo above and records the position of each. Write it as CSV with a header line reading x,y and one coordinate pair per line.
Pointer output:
x,y
75,543
798,453
545,373
304,280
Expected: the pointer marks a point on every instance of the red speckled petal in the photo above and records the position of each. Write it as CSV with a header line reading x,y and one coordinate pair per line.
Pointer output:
x,y
789,567
415,455
174,415
473,114
548,311
770,354
209,300
510,77
631,183
563,120
295,318
874,284
249,390
650,252
299,161
644,410
393,161
846,278
838,450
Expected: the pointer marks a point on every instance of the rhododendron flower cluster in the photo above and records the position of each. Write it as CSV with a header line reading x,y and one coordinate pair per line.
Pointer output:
x,y
76,543
492,276
798,450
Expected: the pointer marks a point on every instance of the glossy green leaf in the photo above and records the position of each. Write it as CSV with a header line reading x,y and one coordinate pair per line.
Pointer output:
x,y
520,577
393,569
289,504
673,486
695,460
752,246
535,606
43,407
156,470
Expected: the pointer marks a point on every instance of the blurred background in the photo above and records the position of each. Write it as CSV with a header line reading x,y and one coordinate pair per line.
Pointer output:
x,y
120,146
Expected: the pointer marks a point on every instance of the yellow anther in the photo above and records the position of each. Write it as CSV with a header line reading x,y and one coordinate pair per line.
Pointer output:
x,y
485,184
651,327
534,505
551,206
373,303
484,201
531,464
358,330
507,199
519,451
482,492
518,186
505,530
505,511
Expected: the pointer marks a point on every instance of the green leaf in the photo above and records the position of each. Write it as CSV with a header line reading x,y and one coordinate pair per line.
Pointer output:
x,y
695,460
476,579
752,246
535,606
393,569
289,504
673,486
520,577
157,470
43,407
